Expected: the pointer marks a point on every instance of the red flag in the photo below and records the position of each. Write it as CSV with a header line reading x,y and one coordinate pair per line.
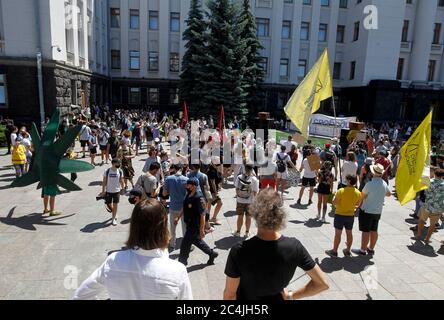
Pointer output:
x,y
184,120
221,124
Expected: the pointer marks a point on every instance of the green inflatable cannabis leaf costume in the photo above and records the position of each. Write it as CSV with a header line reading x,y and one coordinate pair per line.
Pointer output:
x,y
49,162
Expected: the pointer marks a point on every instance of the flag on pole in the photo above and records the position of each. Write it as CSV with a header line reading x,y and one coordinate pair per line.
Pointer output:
x,y
221,124
184,120
414,157
316,87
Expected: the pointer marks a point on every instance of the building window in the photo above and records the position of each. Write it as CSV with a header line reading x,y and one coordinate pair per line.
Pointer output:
x,y
307,2
3,91
305,31
154,20
337,71
117,94
115,18
325,3
340,34
405,31
343,4
286,29
134,19
440,3
431,71
352,70
153,96
356,31
263,27
400,69
174,96
153,61
134,95
115,59
174,62
302,68
283,68
437,33
174,22
264,3
134,60
323,32
263,63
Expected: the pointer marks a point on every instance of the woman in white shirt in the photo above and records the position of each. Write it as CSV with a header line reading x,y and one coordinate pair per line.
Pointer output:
x,y
350,167
144,271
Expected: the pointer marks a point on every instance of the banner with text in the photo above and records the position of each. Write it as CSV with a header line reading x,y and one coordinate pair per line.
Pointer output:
x,y
322,125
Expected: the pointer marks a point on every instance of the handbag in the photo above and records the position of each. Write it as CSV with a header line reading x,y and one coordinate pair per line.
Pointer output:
x,y
293,178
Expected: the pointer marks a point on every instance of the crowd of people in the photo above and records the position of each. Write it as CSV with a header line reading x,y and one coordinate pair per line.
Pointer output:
x,y
173,188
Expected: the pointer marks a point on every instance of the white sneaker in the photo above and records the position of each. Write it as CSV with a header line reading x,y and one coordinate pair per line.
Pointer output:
x,y
236,234
247,235
115,222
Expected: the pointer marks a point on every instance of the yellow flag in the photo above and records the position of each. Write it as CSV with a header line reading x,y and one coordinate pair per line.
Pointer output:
x,y
414,157
316,87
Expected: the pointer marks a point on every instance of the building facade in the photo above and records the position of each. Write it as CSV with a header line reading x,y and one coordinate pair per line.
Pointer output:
x,y
386,56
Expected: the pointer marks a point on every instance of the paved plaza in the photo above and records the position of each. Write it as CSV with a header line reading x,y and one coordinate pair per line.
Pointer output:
x,y
42,257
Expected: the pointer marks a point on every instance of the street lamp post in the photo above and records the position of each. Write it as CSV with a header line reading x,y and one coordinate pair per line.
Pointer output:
x,y
41,97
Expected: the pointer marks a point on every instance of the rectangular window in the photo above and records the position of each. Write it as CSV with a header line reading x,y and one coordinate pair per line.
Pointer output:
x,y
154,20
115,18
174,96
356,31
134,95
174,62
400,69
405,31
174,22
286,29
153,61
3,91
264,64
117,94
263,27
431,71
134,60
337,71
343,4
325,3
153,96
323,32
306,2
302,68
115,59
134,19
283,68
305,31
340,34
352,70
437,33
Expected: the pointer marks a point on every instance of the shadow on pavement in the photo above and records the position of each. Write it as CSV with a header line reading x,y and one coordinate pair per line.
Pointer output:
x,y
7,179
296,222
353,265
299,206
90,228
30,221
422,249
229,214
197,267
411,221
126,221
6,187
313,223
95,183
7,168
227,243
7,175
441,250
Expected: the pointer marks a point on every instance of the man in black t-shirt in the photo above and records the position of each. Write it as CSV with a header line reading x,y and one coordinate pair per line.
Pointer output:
x,y
270,256
194,216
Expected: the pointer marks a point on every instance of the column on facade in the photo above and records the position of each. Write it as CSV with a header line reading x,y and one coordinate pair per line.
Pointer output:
x,y
423,35
164,36
84,14
276,40
124,26
75,27
296,41
143,38
332,32
314,32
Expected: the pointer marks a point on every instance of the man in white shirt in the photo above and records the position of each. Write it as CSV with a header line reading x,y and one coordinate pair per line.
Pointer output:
x,y
282,162
308,180
247,187
112,185
85,134
289,143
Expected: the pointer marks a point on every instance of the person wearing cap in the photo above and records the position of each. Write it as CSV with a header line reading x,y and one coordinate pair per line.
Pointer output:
x,y
372,202
112,185
366,174
194,212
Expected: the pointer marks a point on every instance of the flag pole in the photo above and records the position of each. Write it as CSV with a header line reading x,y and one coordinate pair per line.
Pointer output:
x,y
336,136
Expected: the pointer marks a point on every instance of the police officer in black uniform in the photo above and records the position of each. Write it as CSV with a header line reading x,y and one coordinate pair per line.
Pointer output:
x,y
194,217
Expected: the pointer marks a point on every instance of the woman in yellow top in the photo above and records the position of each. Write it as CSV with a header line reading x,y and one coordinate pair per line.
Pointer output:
x,y
19,157
346,201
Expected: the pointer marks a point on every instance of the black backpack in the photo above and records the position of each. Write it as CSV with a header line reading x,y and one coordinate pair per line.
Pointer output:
x,y
281,165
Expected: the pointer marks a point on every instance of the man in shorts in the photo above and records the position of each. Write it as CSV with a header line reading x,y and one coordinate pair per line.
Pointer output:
x,y
308,179
49,194
85,134
283,161
112,186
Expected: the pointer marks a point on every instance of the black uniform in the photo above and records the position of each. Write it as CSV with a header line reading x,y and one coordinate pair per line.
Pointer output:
x,y
193,210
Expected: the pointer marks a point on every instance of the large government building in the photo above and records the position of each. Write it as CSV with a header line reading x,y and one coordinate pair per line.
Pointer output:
x,y
386,56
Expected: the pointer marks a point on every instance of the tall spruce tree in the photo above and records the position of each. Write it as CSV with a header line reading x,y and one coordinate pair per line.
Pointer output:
x,y
253,74
222,74
194,36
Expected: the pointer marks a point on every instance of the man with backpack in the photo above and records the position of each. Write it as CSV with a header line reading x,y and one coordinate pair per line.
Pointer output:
x,y
282,162
148,182
112,186
247,186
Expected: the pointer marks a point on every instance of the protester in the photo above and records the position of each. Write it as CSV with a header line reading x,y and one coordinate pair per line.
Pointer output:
x,y
349,167
125,155
283,161
18,157
93,142
270,256
328,155
113,145
103,138
85,134
112,186
215,179
144,271
308,180
324,189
